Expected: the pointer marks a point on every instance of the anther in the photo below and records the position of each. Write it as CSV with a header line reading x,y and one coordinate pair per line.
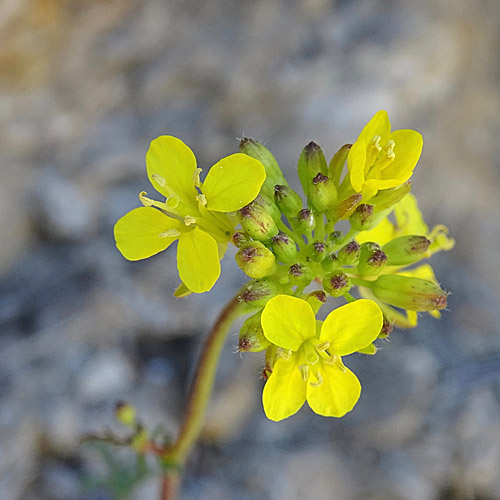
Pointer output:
x,y
159,180
319,379
286,354
202,200
304,372
323,346
196,177
147,202
170,233
189,219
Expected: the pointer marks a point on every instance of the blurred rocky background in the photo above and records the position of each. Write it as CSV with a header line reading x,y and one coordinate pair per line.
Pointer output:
x,y
84,87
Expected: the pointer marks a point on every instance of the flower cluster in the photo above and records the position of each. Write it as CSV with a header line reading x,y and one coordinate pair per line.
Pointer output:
x,y
295,256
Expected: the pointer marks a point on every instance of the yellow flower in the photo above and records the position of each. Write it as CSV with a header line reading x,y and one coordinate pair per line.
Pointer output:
x,y
310,366
409,221
193,212
381,159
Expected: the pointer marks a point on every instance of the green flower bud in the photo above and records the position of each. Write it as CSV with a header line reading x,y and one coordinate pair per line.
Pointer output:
x,y
406,250
274,175
322,193
348,255
316,251
269,206
300,274
284,248
337,164
362,219
240,239
125,413
414,294
257,222
251,338
257,292
335,237
336,283
306,222
255,260
346,207
371,259
387,198
330,263
311,163
287,199
316,299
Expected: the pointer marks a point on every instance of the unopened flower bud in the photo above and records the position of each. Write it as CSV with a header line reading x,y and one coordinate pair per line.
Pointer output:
x,y
322,193
306,222
257,222
346,207
337,164
269,206
240,239
274,175
125,413
335,237
311,162
257,292
287,199
255,260
348,255
316,299
387,198
316,251
284,248
414,294
362,218
251,338
371,259
336,283
387,327
330,263
300,274
406,250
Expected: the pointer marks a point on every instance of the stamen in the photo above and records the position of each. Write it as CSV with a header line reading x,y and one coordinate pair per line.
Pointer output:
x,y
201,199
330,360
170,233
159,180
322,347
386,160
189,219
390,149
286,354
319,379
304,372
196,177
373,150
147,202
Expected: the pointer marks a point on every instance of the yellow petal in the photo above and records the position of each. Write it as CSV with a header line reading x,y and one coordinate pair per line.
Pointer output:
x,y
352,327
144,232
285,391
408,148
233,182
198,260
171,167
409,218
288,321
356,164
338,393
182,291
378,125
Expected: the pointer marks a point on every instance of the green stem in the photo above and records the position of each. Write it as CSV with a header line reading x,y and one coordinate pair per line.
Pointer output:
x,y
175,457
298,240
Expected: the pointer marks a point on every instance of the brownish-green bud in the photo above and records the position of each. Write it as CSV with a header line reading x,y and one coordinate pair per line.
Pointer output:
x,y
336,237
257,222
337,164
346,207
240,239
406,250
306,222
348,255
371,259
311,162
330,263
387,327
316,251
336,283
300,274
414,294
287,199
284,248
125,413
387,198
269,206
255,260
257,292
322,193
362,218
251,338
274,175
316,299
